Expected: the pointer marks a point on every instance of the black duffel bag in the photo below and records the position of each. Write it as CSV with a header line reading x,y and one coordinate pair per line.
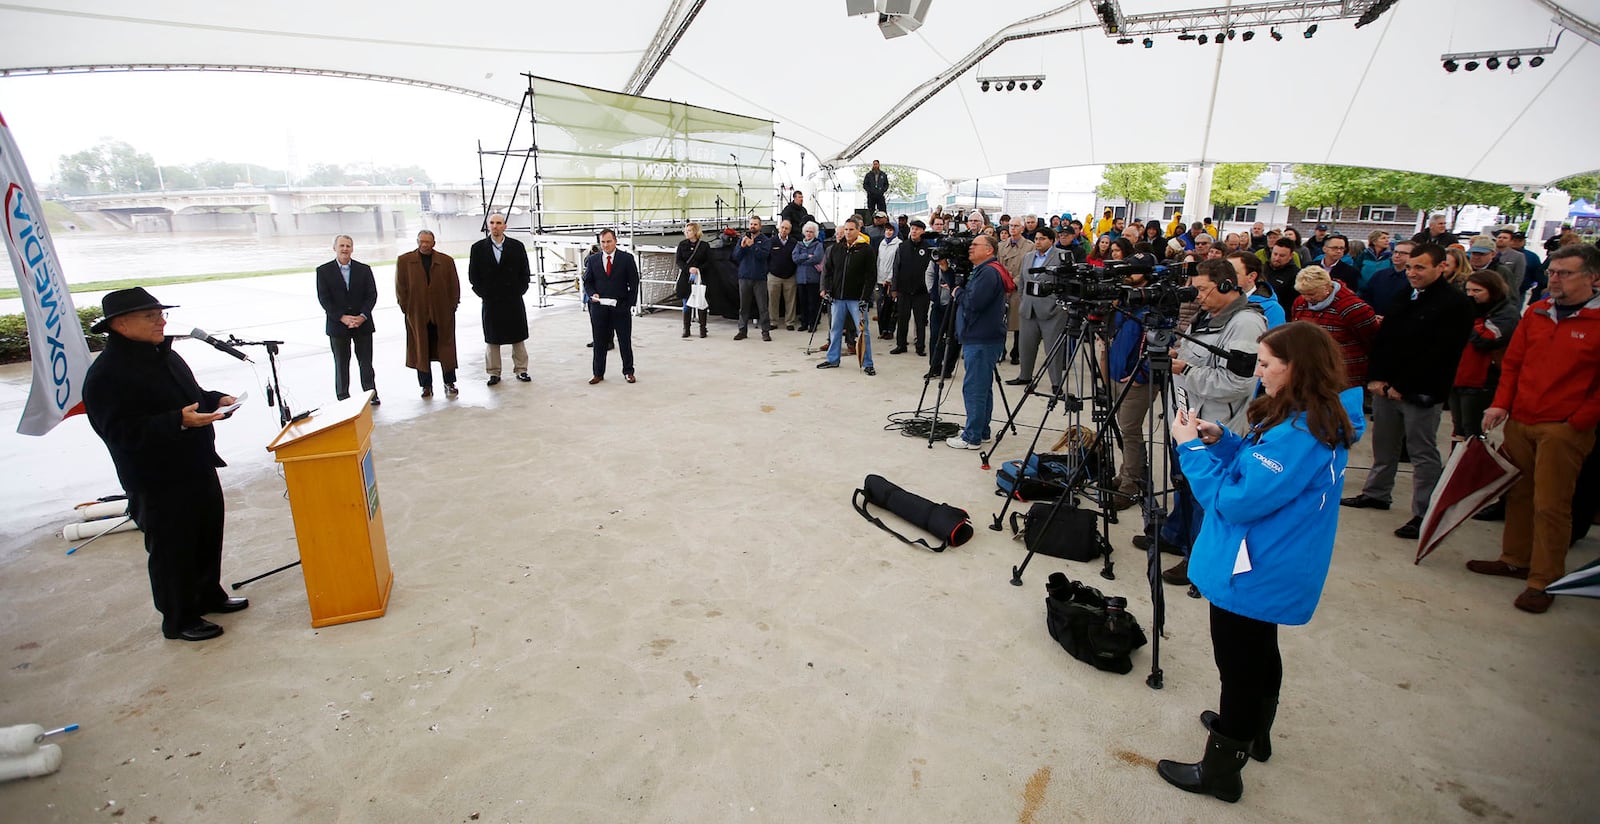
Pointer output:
x,y
1091,627
1073,534
949,523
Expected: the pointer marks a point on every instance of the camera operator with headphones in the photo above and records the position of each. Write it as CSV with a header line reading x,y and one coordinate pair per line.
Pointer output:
x,y
1207,387
1128,367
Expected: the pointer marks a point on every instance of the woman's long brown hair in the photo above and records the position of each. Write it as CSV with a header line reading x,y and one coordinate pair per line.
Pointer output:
x,y
1316,377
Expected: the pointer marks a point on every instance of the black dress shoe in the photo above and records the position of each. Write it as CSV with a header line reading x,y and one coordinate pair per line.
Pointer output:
x,y
375,401
494,380
523,376
1410,529
200,630
1364,502
827,365
869,370
1017,382
898,350
230,605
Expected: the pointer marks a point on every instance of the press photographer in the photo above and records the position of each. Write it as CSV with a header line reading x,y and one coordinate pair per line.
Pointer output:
x,y
981,326
1128,367
1207,387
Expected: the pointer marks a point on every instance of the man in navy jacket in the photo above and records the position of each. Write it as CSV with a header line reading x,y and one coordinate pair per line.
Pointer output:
x,y
981,327
347,292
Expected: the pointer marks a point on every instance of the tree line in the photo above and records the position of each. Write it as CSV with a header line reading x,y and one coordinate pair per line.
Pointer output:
x,y
113,166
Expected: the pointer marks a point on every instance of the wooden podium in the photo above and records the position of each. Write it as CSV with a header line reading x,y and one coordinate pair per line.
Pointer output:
x,y
333,493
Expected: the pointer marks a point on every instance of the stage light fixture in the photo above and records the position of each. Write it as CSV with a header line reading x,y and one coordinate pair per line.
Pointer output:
x,y
1204,39
1472,65
1537,61
1276,35
1310,32
1249,35
1186,36
1514,63
1493,63
1124,41
1451,65
1230,34
1220,40
1037,84
1011,84
984,85
1149,44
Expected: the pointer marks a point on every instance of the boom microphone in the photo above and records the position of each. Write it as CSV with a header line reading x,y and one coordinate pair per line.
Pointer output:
x,y
200,335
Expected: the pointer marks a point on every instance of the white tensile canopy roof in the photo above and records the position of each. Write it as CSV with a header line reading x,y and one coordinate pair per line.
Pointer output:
x,y
1375,96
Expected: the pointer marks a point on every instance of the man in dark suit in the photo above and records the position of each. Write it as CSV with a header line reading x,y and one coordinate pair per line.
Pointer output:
x,y
498,272
347,292
143,401
610,288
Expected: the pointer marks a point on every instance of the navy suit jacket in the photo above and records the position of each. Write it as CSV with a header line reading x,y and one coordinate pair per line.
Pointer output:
x,y
623,283
337,301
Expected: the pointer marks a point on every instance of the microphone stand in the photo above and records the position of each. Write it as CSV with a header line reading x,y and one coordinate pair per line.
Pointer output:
x,y
274,388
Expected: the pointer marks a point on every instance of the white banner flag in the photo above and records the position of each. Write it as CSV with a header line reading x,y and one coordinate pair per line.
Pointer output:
x,y
55,336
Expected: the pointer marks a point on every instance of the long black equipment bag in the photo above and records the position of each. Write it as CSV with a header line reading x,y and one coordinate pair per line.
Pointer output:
x,y
951,524
1073,534
1094,628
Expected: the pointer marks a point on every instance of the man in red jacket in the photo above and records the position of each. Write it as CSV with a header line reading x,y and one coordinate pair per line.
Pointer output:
x,y
1549,399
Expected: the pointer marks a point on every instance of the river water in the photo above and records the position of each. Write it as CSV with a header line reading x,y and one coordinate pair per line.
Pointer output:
x,y
91,256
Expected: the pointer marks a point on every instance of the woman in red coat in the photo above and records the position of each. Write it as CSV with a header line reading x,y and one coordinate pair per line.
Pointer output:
x,y
1332,305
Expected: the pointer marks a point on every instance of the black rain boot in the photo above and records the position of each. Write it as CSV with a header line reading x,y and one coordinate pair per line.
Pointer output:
x,y
686,324
1261,748
703,313
1216,775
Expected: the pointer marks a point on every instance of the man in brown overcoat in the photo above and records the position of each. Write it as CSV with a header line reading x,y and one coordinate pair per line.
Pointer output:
x,y
428,290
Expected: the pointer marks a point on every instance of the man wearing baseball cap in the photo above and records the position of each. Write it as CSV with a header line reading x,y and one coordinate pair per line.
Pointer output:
x,y
143,401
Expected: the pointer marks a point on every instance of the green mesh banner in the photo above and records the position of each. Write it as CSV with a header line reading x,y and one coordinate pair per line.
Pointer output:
x,y
679,159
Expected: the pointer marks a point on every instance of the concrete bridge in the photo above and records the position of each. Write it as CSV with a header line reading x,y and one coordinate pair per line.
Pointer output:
x,y
286,210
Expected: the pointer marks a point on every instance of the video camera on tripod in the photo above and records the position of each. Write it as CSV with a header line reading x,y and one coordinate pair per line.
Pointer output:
x,y
954,247
1164,290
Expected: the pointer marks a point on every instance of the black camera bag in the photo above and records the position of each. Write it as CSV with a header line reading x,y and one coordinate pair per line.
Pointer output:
x,y
1077,618
1073,534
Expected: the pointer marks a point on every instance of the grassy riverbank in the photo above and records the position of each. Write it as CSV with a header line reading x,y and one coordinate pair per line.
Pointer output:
x,y
107,285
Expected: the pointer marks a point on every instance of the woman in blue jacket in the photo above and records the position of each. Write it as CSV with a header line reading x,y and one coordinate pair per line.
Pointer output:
x,y
1271,502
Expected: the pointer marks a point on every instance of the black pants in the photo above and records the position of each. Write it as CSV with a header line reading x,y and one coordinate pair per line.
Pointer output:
x,y
1246,651
809,303
911,305
362,343
425,374
182,523
888,308
875,203
605,321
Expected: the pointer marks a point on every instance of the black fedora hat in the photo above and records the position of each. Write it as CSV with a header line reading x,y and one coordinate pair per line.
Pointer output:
x,y
123,301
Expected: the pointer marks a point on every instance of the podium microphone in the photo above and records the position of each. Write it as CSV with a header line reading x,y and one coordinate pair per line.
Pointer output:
x,y
200,335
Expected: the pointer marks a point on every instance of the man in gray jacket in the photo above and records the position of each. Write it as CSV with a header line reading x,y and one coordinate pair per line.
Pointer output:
x,y
1041,319
1208,387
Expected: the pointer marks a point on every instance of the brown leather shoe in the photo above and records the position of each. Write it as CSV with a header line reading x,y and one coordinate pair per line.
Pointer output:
x,y
594,380
1498,567
1534,600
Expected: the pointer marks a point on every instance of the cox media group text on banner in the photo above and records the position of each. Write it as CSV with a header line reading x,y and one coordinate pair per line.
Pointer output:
x,y
55,336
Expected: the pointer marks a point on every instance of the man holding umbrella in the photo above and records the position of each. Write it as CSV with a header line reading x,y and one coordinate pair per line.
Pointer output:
x,y
1549,400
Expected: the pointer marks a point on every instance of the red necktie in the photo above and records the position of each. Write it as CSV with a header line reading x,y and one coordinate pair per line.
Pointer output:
x,y
608,266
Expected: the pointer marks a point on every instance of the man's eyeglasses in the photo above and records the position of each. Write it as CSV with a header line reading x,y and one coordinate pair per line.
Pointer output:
x,y
149,317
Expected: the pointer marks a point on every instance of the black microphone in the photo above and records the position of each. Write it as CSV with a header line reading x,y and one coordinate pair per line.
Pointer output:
x,y
1240,363
200,334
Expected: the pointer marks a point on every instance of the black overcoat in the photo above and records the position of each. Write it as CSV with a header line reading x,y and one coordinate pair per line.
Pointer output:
x,y
501,284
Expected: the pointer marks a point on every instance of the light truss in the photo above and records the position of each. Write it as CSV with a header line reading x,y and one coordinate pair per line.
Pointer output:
x,y
218,67
1246,16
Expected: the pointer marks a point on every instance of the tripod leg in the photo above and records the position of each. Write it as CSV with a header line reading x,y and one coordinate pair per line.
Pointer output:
x,y
1005,403
238,584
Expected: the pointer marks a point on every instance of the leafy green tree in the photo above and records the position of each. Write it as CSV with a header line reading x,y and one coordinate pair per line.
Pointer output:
x,y
902,181
109,166
1586,186
1339,186
1234,184
1133,182
1428,193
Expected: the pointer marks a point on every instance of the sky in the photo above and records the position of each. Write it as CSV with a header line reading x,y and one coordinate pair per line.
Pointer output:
x,y
275,120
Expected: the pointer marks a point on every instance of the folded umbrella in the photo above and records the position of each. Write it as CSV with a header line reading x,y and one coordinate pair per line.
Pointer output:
x,y
1476,475
1583,581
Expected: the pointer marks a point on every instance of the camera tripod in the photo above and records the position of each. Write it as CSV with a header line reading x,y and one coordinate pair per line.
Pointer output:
x,y
943,355
1078,334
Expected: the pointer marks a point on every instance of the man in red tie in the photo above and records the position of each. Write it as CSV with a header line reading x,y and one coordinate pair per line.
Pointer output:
x,y
611,287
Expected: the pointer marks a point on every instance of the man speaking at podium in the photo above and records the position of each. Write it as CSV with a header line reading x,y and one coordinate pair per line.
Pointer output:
x,y
143,401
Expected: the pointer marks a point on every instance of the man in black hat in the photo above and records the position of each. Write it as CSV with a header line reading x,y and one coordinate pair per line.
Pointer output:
x,y
143,401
